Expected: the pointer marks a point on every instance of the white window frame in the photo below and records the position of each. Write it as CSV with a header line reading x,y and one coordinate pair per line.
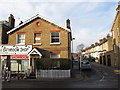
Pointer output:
x,y
51,38
119,46
54,53
114,48
118,31
34,39
113,34
17,39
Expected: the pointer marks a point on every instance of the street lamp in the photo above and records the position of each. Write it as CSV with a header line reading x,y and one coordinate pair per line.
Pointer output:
x,y
72,44
72,51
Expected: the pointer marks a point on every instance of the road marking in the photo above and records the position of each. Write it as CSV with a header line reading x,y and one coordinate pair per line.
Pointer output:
x,y
102,78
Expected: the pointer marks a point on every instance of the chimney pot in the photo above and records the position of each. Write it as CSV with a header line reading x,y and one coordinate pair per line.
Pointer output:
x,y
118,8
20,22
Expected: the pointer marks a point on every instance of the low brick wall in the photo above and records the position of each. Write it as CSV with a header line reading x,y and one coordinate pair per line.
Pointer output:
x,y
53,74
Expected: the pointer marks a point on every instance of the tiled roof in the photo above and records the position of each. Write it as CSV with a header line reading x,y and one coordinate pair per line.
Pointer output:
x,y
37,16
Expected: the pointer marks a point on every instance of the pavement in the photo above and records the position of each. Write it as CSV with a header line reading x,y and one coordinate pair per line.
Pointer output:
x,y
76,75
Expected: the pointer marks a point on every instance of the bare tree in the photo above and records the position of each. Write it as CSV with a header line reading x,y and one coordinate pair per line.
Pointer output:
x,y
80,47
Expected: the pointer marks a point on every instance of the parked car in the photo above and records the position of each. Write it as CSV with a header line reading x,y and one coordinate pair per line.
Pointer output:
x,y
75,59
85,65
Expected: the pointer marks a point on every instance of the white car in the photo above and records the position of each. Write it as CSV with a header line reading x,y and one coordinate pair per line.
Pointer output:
x,y
75,59
85,65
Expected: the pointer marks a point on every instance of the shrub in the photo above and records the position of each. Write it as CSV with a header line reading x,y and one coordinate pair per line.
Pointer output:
x,y
48,63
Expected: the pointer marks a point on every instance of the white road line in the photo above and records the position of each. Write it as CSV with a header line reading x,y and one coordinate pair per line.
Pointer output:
x,y
102,78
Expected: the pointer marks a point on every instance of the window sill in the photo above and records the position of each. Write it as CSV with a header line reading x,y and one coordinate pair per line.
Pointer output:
x,y
55,43
21,44
37,44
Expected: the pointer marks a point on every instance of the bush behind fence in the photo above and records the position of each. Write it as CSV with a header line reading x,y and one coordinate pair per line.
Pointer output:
x,y
57,64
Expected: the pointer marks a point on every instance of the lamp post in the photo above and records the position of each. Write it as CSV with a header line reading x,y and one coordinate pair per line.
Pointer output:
x,y
72,51
72,44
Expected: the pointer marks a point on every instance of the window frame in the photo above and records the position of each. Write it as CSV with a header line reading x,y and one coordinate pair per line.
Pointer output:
x,y
114,48
118,31
56,54
34,38
119,46
51,38
18,40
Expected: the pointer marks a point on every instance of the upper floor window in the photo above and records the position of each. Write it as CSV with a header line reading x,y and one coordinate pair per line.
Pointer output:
x,y
20,38
55,37
118,31
37,38
119,46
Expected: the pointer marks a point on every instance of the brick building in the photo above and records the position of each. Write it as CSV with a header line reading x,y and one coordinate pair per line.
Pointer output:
x,y
5,26
37,37
116,37
108,48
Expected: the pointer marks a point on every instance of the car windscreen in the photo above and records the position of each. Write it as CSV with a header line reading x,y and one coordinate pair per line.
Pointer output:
x,y
85,63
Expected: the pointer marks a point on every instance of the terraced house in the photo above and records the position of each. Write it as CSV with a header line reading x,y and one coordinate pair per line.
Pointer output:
x,y
35,38
116,37
107,50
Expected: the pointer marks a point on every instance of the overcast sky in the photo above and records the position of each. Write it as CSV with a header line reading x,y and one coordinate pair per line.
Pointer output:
x,y
91,20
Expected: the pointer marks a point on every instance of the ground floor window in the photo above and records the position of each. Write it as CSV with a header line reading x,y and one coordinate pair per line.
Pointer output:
x,y
52,55
21,65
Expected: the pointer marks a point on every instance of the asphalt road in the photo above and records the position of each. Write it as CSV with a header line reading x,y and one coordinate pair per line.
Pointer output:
x,y
99,77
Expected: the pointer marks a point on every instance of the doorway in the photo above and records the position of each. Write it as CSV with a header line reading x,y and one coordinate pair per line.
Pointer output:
x,y
100,59
104,60
108,60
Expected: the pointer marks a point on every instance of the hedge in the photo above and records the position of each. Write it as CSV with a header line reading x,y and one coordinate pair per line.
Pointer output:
x,y
47,63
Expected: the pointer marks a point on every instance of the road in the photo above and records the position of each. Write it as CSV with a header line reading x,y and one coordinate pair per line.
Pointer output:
x,y
99,77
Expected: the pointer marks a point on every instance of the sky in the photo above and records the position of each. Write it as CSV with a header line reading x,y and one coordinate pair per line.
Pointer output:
x,y
90,20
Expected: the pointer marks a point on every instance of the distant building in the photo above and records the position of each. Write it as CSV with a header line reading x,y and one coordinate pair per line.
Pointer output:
x,y
5,26
116,37
107,50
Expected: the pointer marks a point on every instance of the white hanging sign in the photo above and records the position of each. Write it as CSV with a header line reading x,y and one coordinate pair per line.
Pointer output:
x,y
15,49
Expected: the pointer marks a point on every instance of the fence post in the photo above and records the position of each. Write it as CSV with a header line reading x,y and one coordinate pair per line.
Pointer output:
x,y
36,73
8,76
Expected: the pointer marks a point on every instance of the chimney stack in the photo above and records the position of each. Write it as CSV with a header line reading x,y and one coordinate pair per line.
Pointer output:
x,y
96,44
101,40
11,21
108,36
118,8
68,24
20,22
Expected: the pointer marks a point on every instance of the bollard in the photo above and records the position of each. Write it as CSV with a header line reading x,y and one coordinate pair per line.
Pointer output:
x,y
8,76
